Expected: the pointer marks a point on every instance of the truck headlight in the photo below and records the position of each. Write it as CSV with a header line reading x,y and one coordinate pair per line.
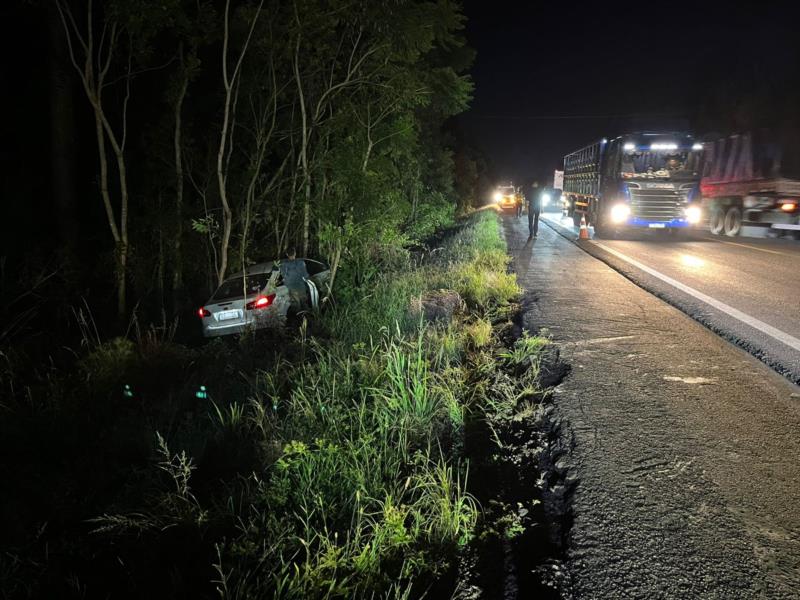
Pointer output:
x,y
497,196
693,214
545,199
620,213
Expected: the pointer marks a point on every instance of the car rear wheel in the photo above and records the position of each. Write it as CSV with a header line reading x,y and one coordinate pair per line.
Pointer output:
x,y
733,221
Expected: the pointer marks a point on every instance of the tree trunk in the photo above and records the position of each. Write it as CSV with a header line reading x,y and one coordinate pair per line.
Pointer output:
x,y
177,265
120,245
62,133
122,269
306,216
93,80
122,307
161,265
231,84
305,135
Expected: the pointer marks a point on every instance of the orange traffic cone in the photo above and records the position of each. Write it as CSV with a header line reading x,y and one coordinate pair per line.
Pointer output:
x,y
584,234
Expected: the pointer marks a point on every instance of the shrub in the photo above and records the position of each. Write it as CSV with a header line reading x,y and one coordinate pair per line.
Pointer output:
x,y
108,363
479,333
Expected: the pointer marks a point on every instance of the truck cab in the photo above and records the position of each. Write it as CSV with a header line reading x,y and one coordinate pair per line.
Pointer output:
x,y
635,181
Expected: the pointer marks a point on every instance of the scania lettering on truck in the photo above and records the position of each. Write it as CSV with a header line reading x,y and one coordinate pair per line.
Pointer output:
x,y
634,181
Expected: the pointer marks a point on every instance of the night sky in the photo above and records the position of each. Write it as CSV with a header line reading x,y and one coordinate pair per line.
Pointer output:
x,y
553,76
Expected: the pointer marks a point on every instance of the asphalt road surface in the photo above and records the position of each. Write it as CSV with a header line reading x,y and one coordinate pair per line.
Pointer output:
x,y
685,448
747,290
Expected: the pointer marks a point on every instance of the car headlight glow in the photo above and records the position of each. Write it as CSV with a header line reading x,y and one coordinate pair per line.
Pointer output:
x,y
620,213
693,214
545,199
497,196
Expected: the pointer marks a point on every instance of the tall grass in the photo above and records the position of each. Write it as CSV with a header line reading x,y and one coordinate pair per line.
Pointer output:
x,y
368,494
329,469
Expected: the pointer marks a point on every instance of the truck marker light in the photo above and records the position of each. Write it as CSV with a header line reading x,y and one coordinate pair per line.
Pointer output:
x,y
664,146
788,206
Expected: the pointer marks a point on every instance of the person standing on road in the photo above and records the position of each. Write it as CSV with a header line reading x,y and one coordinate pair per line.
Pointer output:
x,y
295,275
534,208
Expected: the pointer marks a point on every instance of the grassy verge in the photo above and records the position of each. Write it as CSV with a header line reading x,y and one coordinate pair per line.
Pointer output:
x,y
328,465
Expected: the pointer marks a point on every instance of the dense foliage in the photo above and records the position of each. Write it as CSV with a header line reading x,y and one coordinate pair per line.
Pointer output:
x,y
226,132
324,462
328,464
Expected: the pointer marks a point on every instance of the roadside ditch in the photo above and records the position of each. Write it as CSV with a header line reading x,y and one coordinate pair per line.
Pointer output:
x,y
515,446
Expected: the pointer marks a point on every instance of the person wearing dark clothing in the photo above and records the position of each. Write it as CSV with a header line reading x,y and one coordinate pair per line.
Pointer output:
x,y
534,208
295,275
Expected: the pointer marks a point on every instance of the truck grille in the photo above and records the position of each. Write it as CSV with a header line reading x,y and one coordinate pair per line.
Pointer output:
x,y
658,205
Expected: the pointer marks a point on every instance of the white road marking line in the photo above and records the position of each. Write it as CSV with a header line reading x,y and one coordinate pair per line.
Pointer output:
x,y
754,248
771,331
766,328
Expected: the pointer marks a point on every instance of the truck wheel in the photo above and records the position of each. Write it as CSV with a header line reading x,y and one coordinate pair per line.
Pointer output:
x,y
733,221
601,230
716,221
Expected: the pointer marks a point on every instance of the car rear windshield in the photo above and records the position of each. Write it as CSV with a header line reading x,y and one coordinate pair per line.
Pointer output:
x,y
235,287
313,267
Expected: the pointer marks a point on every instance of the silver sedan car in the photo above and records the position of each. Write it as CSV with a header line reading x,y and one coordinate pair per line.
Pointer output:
x,y
256,299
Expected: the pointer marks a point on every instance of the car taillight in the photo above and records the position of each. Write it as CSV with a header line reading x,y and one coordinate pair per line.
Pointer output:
x,y
203,312
261,302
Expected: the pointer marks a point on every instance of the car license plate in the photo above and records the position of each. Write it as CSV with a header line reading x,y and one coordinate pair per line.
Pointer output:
x,y
227,314
657,226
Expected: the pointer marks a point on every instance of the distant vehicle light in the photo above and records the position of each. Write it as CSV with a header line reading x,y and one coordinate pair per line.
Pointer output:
x,y
629,147
497,196
670,146
789,206
694,214
697,146
620,213
545,199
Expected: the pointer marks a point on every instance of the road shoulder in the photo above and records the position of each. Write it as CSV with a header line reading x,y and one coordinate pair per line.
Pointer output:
x,y
684,446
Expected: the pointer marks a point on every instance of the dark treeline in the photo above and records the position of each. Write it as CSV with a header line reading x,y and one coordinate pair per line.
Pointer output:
x,y
158,146
189,138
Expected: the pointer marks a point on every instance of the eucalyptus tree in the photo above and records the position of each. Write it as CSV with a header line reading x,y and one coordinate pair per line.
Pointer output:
x,y
108,47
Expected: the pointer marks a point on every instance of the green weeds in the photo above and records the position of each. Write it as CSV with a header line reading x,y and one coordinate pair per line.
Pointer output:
x,y
328,466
